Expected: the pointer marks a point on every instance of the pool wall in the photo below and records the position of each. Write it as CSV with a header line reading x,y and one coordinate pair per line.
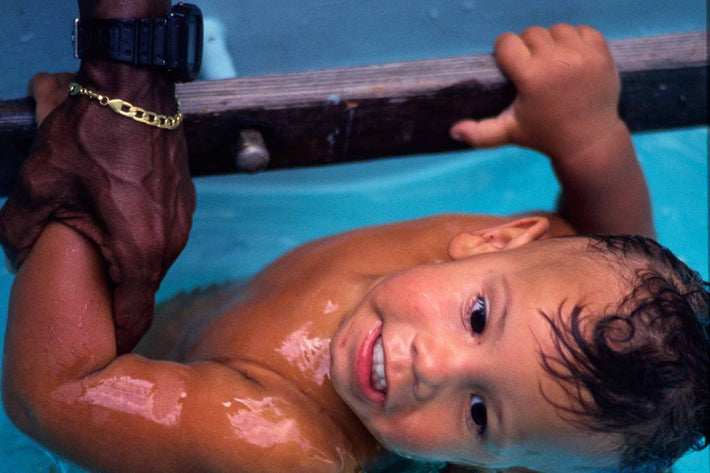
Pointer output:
x,y
243,222
290,35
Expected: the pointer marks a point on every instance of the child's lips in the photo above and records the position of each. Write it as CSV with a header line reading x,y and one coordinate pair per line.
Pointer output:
x,y
364,367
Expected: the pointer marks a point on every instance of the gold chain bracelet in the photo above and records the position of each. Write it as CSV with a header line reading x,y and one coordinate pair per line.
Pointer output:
x,y
128,110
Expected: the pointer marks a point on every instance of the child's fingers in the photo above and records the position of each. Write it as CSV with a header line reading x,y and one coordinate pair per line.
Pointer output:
x,y
537,38
511,54
566,34
486,133
591,36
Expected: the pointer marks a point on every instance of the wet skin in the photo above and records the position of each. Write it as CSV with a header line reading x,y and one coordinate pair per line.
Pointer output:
x,y
436,360
266,379
274,378
308,294
434,363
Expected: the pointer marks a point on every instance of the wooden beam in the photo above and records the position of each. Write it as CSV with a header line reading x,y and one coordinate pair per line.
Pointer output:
x,y
346,114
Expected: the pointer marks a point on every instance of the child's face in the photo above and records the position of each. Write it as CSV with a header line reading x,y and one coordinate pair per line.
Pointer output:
x,y
438,364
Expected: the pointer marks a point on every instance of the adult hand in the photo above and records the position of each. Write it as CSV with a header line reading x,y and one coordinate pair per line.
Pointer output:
x,y
123,184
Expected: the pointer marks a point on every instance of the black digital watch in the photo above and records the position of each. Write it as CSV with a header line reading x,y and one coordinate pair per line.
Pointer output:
x,y
173,43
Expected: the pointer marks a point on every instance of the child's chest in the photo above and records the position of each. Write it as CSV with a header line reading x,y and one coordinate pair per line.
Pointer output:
x,y
287,329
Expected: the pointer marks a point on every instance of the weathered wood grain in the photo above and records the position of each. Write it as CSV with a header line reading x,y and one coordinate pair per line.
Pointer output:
x,y
346,114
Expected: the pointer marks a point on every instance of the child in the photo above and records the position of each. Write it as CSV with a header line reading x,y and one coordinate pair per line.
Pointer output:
x,y
473,340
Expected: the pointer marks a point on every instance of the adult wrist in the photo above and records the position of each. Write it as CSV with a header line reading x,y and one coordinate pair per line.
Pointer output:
x,y
136,84
93,9
143,34
120,79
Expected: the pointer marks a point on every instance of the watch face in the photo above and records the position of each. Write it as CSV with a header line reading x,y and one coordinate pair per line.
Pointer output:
x,y
185,42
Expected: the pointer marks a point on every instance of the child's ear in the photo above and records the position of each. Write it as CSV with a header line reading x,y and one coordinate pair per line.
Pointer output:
x,y
507,236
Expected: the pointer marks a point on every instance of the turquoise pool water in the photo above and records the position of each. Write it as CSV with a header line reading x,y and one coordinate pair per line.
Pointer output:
x,y
243,222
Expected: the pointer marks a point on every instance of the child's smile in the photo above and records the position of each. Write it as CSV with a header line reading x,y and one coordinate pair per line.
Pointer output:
x,y
442,361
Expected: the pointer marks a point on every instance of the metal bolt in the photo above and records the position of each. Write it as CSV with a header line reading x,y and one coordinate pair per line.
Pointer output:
x,y
250,153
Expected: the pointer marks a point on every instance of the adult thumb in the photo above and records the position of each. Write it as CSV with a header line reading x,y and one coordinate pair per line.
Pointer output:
x,y
485,133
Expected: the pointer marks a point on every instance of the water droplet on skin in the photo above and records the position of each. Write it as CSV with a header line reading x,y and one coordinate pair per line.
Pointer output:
x,y
330,307
310,355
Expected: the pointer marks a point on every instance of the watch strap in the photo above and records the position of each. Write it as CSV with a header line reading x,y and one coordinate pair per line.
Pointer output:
x,y
135,40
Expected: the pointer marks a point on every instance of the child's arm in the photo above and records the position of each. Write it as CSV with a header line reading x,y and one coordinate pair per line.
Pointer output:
x,y
64,386
566,107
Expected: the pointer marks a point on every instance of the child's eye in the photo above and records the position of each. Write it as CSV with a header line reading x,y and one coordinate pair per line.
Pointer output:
x,y
479,316
478,414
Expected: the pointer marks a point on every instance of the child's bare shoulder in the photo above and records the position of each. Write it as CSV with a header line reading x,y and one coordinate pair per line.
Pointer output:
x,y
272,425
212,415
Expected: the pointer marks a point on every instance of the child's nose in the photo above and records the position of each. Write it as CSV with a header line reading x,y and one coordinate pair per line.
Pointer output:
x,y
439,364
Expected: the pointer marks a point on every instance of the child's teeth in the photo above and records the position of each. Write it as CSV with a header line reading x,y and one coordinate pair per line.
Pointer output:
x,y
377,374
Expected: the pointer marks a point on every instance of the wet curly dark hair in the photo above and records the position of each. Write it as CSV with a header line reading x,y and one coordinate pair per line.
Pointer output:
x,y
643,371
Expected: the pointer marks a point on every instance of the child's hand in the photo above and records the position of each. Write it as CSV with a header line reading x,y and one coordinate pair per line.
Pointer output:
x,y
568,90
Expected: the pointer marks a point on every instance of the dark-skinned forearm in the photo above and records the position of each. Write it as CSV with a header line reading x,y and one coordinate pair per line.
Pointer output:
x,y
144,86
123,8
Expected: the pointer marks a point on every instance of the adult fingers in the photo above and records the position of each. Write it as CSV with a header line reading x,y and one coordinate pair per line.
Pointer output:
x,y
133,305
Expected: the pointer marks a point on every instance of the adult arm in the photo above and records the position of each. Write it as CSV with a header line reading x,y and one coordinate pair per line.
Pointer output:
x,y
567,107
124,185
